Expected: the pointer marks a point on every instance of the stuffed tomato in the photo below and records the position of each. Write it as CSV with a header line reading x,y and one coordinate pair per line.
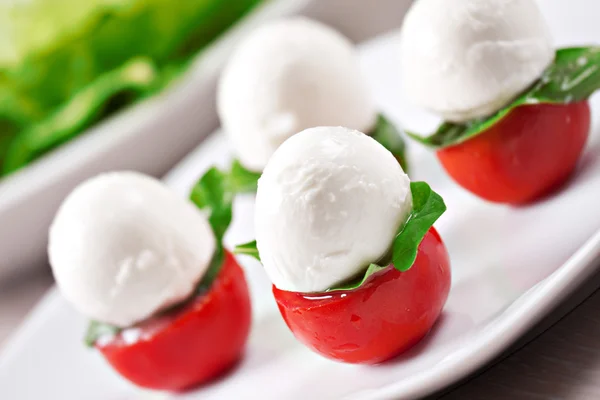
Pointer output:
x,y
386,315
359,273
527,154
183,348
169,307
516,111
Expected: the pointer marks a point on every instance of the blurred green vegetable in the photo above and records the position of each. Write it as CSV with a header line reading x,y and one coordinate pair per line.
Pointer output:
x,y
65,64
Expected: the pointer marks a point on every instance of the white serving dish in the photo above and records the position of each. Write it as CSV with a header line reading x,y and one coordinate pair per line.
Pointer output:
x,y
511,266
151,137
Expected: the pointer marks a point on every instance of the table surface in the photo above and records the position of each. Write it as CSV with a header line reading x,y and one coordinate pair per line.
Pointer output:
x,y
558,359
561,361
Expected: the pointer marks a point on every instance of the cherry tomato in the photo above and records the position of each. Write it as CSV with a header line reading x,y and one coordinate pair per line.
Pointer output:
x,y
531,151
385,316
189,346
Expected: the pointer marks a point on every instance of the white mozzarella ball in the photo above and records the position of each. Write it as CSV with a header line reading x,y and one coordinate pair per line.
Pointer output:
x,y
123,247
287,76
467,59
329,203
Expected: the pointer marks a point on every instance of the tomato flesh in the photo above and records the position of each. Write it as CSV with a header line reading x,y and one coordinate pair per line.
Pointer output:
x,y
531,151
189,346
385,316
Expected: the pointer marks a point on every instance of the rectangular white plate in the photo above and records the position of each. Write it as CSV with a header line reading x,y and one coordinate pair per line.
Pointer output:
x,y
510,267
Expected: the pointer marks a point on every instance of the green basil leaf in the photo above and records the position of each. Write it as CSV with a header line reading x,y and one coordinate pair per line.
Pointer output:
x,y
573,76
212,272
215,191
428,206
213,194
360,280
242,179
248,249
96,330
389,137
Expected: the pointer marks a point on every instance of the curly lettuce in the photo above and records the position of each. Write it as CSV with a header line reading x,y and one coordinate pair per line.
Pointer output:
x,y
65,64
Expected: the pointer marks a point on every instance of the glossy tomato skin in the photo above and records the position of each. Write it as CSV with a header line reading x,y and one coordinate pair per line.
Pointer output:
x,y
531,151
190,346
382,318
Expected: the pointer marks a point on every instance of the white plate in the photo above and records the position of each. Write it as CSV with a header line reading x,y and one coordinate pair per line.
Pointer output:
x,y
152,136
510,266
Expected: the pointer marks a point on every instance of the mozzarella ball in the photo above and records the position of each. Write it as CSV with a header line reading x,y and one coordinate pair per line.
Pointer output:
x,y
123,247
469,58
329,203
287,76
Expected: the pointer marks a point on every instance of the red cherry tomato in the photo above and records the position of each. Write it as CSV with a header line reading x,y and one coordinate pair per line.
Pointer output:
x,y
385,316
527,154
190,346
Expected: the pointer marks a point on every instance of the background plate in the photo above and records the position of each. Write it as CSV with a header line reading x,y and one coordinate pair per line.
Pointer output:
x,y
510,267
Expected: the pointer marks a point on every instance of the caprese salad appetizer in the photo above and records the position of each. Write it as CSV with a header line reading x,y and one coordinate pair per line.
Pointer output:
x,y
169,306
358,271
291,75
516,110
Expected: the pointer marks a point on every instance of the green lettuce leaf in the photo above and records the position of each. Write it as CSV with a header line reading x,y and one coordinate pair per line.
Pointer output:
x,y
132,81
574,76
52,50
